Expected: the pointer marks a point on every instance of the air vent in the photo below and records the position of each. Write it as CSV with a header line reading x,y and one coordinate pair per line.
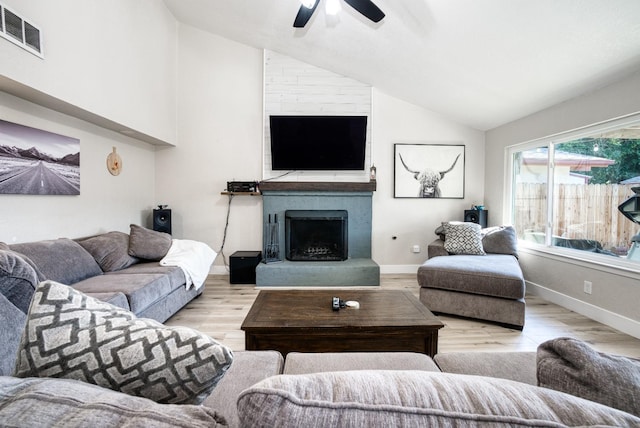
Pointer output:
x,y
22,33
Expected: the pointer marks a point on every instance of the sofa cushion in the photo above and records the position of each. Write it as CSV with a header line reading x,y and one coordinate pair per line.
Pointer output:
x,y
570,365
61,260
248,368
73,336
148,244
110,250
18,279
114,298
142,290
500,240
518,366
312,362
173,273
414,398
463,238
496,275
37,402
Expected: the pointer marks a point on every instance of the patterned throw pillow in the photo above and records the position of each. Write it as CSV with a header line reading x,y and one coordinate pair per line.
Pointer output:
x,y
463,238
73,336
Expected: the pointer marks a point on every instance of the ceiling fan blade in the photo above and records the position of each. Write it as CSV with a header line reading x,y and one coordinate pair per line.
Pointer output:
x,y
304,15
367,8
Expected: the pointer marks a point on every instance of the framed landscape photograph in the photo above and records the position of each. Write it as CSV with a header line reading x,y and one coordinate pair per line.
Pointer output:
x,y
429,170
37,162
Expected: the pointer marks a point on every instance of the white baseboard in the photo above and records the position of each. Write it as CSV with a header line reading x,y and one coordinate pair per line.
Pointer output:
x,y
396,269
604,316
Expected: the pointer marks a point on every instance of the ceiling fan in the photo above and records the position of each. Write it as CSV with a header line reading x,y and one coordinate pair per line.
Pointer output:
x,y
365,7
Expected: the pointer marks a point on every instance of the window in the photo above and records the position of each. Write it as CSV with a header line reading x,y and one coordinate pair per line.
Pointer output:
x,y
565,190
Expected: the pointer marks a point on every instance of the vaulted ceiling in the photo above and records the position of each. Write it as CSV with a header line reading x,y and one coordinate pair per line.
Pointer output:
x,y
482,63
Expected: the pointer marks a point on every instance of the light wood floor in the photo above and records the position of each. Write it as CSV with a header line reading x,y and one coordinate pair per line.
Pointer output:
x,y
219,312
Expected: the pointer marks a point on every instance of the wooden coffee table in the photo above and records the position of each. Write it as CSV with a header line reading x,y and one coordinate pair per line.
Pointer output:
x,y
303,321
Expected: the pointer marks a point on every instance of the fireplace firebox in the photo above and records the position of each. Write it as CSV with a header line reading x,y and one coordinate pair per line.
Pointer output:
x,y
316,235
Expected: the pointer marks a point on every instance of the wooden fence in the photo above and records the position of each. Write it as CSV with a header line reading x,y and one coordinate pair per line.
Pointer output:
x,y
581,211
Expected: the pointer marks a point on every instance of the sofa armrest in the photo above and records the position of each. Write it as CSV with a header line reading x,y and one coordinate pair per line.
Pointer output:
x,y
436,248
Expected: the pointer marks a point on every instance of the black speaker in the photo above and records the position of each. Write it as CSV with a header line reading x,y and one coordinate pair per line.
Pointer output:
x,y
242,267
475,216
162,220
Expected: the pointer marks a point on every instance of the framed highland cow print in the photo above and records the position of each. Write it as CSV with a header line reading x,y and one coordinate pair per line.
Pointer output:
x,y
429,170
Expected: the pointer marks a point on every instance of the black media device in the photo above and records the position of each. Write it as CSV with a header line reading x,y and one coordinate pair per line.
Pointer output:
x,y
317,143
242,186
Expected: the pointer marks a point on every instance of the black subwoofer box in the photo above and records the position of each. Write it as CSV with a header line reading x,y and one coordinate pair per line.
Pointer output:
x,y
242,266
476,216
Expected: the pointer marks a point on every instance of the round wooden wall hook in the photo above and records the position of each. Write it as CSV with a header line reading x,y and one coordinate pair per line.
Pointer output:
x,y
114,162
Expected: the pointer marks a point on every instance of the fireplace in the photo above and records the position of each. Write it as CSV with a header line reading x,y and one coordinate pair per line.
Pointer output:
x,y
316,235
319,200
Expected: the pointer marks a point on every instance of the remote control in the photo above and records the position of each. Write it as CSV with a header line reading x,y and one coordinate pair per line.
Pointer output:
x,y
335,303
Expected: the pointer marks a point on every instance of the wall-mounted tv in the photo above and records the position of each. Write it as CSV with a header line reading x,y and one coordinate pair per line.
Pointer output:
x,y
317,143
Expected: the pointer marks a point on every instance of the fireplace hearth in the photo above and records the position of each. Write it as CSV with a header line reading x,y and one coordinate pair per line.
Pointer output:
x,y
316,235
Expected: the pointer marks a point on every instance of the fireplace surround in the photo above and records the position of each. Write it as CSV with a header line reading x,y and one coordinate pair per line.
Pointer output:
x,y
355,200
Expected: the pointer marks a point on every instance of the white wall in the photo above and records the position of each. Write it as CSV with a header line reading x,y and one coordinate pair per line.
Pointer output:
x,y
413,221
560,280
113,58
219,140
105,202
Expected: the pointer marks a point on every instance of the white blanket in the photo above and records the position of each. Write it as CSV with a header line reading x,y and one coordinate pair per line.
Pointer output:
x,y
193,257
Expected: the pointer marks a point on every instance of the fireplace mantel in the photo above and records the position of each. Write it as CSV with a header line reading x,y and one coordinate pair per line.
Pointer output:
x,y
318,186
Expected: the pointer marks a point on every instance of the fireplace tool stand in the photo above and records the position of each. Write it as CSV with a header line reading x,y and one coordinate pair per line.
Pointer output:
x,y
272,240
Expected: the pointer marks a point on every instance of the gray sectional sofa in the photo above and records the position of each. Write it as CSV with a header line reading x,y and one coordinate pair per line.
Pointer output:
x,y
261,389
102,266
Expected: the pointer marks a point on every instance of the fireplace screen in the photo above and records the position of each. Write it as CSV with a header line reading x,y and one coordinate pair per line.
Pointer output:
x,y
316,235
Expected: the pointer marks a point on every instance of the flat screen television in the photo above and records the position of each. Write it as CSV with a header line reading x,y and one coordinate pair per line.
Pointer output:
x,y
318,143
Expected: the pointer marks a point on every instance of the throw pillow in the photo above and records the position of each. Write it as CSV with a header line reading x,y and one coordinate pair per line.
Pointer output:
x,y
12,321
37,402
148,244
463,238
62,260
412,398
571,366
73,336
111,250
500,240
18,279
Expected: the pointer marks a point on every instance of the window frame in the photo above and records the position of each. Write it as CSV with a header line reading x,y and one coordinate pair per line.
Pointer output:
x,y
585,258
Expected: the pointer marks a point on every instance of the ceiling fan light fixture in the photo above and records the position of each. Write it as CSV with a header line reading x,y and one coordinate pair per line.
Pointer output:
x,y
309,3
333,7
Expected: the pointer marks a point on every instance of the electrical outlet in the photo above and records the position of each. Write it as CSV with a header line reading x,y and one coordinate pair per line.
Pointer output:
x,y
588,287
416,249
